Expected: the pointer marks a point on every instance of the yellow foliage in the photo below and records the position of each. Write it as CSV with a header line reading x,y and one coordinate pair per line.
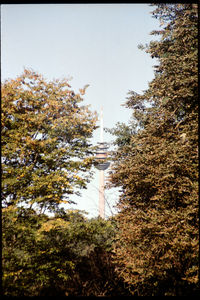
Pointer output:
x,y
53,224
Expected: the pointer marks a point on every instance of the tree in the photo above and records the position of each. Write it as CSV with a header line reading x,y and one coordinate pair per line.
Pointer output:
x,y
20,251
46,150
63,255
157,247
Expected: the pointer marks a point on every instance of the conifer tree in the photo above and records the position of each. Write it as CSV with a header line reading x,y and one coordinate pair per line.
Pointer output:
x,y
157,169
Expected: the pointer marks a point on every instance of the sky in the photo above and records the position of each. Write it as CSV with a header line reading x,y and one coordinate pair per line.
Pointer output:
x,y
95,44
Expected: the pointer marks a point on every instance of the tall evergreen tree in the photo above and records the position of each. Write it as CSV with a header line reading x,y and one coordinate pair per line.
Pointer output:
x,y
157,169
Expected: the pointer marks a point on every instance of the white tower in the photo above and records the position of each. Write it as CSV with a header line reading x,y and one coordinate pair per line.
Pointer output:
x,y
102,165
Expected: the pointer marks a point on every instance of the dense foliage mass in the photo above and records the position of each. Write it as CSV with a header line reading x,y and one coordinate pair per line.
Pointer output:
x,y
150,248
45,141
57,256
156,165
47,156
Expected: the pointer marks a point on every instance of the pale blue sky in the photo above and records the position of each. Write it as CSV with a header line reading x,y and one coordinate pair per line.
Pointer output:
x,y
94,44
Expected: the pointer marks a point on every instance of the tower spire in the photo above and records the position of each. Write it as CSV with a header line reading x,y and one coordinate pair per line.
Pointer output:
x,y
101,125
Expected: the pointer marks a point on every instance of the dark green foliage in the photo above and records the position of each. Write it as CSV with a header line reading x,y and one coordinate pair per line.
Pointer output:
x,y
67,254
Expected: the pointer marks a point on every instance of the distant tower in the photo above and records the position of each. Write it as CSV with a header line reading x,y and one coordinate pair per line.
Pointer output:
x,y
101,165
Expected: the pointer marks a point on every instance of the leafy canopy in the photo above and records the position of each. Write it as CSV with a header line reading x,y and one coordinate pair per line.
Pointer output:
x,y
66,254
46,151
